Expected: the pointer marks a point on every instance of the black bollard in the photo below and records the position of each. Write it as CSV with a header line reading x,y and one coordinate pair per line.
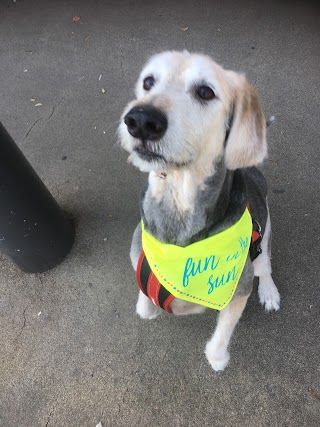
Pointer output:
x,y
34,231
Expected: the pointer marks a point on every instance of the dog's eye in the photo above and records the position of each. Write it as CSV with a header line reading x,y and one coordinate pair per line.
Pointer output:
x,y
205,93
148,83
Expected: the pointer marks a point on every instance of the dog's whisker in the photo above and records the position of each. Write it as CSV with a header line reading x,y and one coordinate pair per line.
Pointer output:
x,y
189,145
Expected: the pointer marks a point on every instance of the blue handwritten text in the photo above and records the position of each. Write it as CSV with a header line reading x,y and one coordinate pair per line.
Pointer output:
x,y
193,268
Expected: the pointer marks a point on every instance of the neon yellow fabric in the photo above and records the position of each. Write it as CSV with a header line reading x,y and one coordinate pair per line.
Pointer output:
x,y
205,272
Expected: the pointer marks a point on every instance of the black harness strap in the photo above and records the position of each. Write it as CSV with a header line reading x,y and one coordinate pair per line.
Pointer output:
x,y
256,238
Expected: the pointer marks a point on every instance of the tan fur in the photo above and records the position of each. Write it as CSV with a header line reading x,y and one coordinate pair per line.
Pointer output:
x,y
247,144
163,103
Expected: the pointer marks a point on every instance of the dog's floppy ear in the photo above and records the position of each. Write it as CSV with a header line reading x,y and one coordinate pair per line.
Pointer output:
x,y
246,143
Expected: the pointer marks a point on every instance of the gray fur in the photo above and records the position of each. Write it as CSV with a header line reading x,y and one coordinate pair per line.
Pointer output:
x,y
219,204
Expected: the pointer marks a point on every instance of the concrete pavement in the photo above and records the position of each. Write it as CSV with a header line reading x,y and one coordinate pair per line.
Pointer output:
x,y
73,352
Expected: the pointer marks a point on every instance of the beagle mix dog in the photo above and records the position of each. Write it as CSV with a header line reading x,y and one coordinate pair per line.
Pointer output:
x,y
199,132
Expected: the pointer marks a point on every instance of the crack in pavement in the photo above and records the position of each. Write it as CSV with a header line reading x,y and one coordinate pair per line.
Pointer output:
x,y
53,109
42,118
27,134
24,324
50,415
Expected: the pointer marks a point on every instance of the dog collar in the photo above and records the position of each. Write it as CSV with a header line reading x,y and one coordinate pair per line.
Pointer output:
x,y
206,272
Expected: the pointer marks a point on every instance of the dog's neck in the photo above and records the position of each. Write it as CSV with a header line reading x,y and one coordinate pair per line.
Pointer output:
x,y
185,205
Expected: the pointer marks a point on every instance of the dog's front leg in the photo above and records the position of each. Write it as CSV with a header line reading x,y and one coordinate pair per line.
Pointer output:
x,y
217,348
268,292
145,307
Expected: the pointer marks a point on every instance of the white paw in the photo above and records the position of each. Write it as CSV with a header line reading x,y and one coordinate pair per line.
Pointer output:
x,y
217,359
146,309
268,293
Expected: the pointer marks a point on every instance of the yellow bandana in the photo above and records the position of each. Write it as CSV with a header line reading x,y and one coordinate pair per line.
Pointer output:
x,y
206,272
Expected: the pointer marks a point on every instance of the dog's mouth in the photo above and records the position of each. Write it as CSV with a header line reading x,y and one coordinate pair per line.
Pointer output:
x,y
148,155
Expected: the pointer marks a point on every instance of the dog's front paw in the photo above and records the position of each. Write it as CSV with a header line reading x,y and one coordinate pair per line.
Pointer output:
x,y
218,359
145,308
268,293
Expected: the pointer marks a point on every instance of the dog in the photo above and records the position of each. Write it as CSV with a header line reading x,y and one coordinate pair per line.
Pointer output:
x,y
199,132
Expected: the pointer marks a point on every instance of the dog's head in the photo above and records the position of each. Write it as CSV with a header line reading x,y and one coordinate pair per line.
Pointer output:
x,y
189,110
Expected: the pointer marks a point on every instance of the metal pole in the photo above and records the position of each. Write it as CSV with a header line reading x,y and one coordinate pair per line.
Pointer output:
x,y
34,231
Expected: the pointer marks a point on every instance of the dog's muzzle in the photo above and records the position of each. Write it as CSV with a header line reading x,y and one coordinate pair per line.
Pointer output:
x,y
146,123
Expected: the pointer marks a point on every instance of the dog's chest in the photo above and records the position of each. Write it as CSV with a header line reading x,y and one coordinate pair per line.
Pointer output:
x,y
170,209
177,191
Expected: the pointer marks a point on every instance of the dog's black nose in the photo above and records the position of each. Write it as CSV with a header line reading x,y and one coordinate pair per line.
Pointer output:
x,y
146,123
